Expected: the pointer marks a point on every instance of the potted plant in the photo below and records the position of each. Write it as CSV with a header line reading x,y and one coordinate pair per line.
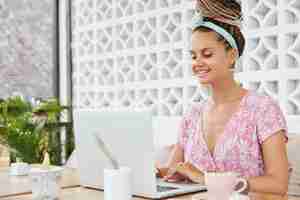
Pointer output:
x,y
31,130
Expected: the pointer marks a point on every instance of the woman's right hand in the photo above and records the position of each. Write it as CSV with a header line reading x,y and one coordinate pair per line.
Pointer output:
x,y
168,174
161,172
184,171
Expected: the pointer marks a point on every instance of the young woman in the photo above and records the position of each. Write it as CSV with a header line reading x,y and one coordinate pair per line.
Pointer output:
x,y
234,129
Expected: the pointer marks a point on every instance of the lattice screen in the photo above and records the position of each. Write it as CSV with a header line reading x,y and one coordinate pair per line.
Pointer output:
x,y
272,60
134,53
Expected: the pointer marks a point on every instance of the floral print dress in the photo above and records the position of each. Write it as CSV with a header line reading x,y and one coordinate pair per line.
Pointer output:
x,y
239,146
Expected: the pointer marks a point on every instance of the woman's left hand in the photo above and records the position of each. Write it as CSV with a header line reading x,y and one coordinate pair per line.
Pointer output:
x,y
188,171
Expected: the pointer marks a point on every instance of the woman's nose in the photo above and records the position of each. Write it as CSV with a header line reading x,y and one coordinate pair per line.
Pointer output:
x,y
196,66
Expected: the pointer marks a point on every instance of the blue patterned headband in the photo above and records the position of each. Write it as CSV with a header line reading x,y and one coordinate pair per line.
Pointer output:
x,y
199,22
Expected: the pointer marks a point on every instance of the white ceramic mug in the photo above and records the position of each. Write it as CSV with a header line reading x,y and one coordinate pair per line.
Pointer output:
x,y
221,185
117,184
45,183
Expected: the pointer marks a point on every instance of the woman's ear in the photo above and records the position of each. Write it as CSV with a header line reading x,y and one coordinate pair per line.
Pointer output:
x,y
233,56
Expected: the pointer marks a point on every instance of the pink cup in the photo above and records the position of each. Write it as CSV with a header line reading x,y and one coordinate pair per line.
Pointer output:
x,y
221,185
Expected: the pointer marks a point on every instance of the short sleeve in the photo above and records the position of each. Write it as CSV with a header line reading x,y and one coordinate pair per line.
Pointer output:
x,y
269,119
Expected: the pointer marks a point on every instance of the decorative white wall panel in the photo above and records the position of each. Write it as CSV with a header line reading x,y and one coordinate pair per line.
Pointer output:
x,y
272,59
134,53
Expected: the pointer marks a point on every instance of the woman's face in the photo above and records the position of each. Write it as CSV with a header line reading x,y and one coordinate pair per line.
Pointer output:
x,y
211,62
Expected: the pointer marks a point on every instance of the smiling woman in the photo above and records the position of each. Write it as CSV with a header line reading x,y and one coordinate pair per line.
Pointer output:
x,y
235,129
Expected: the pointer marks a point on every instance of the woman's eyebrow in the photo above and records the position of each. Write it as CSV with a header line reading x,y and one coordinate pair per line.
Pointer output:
x,y
201,50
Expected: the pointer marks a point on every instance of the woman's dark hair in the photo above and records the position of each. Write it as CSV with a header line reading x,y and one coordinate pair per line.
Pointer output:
x,y
221,12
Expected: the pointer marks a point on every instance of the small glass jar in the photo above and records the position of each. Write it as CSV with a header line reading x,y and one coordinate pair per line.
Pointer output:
x,y
45,183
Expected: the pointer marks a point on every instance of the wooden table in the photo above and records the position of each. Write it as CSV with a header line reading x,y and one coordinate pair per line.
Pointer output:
x,y
18,188
16,185
80,193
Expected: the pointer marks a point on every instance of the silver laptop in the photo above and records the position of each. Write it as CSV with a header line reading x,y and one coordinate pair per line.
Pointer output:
x,y
128,136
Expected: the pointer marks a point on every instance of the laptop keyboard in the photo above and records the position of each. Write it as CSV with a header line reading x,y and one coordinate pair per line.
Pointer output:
x,y
160,188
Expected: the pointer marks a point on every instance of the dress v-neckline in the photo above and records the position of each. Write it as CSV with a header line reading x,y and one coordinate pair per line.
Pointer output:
x,y
200,137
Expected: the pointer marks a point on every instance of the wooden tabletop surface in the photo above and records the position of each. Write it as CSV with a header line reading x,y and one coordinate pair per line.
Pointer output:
x,y
14,185
18,188
80,193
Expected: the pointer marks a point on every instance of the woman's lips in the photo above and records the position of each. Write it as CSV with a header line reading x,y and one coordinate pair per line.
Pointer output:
x,y
202,73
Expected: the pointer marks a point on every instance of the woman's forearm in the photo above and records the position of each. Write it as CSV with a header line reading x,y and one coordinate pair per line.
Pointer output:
x,y
268,184
275,178
175,157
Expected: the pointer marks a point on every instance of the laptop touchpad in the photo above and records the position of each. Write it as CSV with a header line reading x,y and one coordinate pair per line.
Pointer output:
x,y
160,188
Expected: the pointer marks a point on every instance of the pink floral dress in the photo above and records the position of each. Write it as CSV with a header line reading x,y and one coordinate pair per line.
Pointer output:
x,y
239,147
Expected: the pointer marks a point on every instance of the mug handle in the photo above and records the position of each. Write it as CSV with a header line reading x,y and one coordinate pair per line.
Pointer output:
x,y
244,187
